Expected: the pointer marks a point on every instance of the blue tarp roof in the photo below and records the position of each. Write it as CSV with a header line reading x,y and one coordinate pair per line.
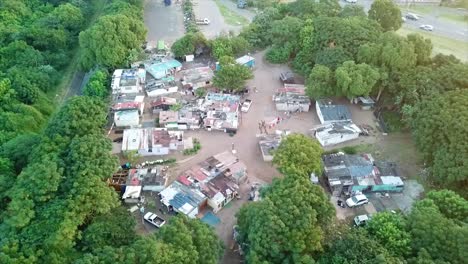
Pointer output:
x,y
156,68
360,171
181,198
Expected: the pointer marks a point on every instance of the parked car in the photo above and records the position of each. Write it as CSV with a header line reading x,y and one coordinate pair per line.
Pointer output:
x,y
426,27
412,16
246,105
287,77
204,21
357,200
154,219
361,220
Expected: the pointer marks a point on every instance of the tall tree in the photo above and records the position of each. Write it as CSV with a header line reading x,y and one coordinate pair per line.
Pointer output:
x,y
440,238
356,247
439,125
196,238
287,225
389,229
387,13
354,80
301,153
110,41
320,82
232,76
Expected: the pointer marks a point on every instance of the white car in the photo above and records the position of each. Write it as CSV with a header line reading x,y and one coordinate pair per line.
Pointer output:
x,y
357,200
361,220
246,105
154,219
426,27
412,16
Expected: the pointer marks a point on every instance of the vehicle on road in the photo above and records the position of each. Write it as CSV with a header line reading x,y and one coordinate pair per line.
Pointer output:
x,y
357,200
154,219
246,105
412,16
167,2
287,77
426,27
361,220
204,21
351,1
241,4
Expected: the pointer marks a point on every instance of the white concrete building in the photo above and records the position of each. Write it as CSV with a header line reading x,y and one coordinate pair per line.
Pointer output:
x,y
151,141
336,133
128,118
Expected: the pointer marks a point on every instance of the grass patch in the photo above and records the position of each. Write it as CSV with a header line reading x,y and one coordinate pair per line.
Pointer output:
x,y
358,149
231,17
442,44
392,121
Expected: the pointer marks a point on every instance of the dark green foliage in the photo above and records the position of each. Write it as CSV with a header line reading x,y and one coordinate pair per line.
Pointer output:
x,y
387,13
231,76
18,150
111,40
439,126
350,150
279,54
321,82
116,229
332,57
97,85
300,153
450,204
74,118
393,121
293,211
188,44
353,11
435,236
356,247
389,229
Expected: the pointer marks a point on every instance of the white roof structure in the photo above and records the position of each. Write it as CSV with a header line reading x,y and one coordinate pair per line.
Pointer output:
x,y
132,192
335,133
392,180
127,118
244,59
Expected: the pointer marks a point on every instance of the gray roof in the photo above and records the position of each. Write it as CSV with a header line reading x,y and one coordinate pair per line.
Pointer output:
x,y
332,112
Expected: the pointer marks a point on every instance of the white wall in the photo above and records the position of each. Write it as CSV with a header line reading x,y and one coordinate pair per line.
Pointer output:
x,y
166,90
336,139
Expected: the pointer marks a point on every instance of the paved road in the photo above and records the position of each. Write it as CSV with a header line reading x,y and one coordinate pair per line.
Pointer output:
x,y
163,22
442,28
243,12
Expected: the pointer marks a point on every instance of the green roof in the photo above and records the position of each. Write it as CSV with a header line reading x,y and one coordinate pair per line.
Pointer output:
x,y
161,45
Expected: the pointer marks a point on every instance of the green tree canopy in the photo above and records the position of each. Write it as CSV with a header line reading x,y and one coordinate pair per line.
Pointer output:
x,y
356,247
301,153
389,229
387,13
320,82
231,76
439,126
353,11
354,80
287,225
97,85
110,41
437,237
